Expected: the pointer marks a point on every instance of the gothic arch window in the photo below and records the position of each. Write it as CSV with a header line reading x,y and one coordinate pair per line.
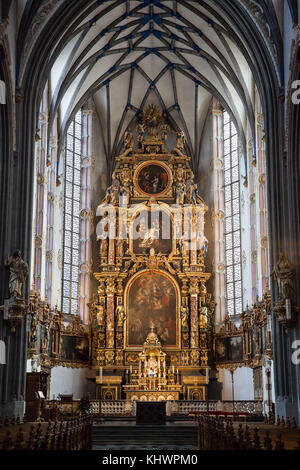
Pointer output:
x,y
76,226
232,227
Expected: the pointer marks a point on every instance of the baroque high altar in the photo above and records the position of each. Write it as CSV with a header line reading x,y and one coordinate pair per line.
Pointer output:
x,y
152,317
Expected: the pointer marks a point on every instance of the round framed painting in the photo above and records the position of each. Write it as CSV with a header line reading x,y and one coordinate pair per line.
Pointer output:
x,y
153,179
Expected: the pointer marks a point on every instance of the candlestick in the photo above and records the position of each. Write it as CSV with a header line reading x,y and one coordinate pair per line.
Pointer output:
x,y
288,309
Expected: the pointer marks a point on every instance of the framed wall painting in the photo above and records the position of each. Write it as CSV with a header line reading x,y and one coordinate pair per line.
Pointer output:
x,y
74,348
152,298
152,179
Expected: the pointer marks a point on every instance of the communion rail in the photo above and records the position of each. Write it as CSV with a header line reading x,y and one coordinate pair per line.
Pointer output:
x,y
181,408
220,433
70,434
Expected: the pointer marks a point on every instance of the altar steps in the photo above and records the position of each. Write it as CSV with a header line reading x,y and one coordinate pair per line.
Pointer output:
x,y
180,437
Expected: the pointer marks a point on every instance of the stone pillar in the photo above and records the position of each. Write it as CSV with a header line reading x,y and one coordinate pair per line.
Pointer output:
x,y
219,261
14,232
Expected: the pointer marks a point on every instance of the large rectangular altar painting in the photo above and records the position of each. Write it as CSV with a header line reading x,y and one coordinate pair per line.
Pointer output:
x,y
152,299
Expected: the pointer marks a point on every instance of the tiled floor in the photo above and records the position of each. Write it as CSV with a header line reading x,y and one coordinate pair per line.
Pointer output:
x,y
126,435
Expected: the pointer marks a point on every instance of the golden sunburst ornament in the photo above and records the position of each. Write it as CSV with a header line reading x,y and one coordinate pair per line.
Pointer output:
x,y
152,120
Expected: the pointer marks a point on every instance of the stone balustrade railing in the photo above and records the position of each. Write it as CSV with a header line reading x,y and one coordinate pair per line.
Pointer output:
x,y
177,408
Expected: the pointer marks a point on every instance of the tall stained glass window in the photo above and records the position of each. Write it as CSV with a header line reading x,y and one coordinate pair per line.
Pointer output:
x,y
72,207
232,217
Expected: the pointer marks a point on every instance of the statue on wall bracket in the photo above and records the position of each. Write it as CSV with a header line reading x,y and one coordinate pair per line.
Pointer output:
x,y
15,308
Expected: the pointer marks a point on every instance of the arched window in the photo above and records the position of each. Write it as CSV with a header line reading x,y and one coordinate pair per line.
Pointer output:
x,y
76,226
232,227
72,216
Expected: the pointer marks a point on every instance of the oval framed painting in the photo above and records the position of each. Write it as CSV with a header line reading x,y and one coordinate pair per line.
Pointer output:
x,y
153,178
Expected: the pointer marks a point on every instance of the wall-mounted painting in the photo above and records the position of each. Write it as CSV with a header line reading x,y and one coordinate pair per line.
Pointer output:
x,y
220,349
229,349
235,348
74,348
152,229
152,297
257,383
153,179
53,347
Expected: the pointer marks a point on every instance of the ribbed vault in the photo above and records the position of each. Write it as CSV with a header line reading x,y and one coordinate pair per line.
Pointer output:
x,y
125,54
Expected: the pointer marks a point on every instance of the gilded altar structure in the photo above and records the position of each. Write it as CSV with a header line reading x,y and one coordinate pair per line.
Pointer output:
x,y
152,317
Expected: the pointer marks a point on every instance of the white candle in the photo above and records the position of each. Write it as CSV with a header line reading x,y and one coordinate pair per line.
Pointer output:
x,y
207,375
288,309
100,375
131,369
269,323
173,369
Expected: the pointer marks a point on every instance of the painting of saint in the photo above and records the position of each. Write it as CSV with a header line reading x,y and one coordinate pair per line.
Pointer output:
x,y
151,298
152,230
220,350
236,348
74,348
153,179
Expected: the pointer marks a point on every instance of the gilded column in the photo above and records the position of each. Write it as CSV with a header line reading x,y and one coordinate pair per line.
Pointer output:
x,y
194,313
194,237
120,316
110,313
111,246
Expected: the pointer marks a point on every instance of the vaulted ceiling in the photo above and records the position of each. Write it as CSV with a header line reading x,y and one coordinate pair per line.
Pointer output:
x,y
127,54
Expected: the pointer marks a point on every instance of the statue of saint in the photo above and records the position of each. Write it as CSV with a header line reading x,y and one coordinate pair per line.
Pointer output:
x,y
191,191
128,140
204,246
283,273
104,248
180,139
184,316
180,191
18,273
113,191
202,317
120,314
101,313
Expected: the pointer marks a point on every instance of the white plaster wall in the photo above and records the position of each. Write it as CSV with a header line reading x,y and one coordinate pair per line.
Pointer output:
x,y
68,381
243,384
99,183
